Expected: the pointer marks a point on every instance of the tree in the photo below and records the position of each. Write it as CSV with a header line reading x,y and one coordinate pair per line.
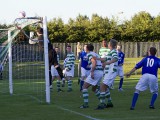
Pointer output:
x,y
56,30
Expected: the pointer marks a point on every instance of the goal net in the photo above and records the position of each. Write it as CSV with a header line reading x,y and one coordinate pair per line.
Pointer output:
x,y
25,65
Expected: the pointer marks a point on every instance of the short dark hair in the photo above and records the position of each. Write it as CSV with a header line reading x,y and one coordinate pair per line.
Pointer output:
x,y
113,43
90,47
40,30
153,50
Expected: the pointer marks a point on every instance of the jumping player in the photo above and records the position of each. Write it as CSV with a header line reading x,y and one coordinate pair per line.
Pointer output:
x,y
150,65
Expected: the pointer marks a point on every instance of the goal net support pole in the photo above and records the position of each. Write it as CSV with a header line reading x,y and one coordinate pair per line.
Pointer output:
x,y
45,35
10,62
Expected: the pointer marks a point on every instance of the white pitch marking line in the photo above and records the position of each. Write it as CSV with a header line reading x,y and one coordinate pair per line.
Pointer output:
x,y
86,116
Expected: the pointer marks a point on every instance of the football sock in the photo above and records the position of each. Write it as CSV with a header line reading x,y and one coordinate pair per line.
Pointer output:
x,y
58,85
85,96
69,84
154,97
102,97
108,95
134,100
121,83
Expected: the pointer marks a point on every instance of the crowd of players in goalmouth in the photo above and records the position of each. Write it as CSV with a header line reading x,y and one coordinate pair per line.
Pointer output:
x,y
100,70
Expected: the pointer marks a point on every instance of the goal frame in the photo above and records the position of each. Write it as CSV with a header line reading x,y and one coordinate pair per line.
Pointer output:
x,y
45,35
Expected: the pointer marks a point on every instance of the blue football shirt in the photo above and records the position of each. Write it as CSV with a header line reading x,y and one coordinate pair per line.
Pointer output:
x,y
121,56
84,60
149,64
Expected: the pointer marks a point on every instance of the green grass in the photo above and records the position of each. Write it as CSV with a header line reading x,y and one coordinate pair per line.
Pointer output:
x,y
25,104
64,105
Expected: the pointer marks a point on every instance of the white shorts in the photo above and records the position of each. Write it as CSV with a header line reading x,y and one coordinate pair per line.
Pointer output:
x,y
120,71
147,80
54,71
69,73
109,78
84,72
97,77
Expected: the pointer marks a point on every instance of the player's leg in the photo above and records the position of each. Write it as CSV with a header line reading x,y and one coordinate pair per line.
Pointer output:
x,y
61,75
88,82
153,84
98,75
69,80
70,75
59,84
134,99
121,74
142,85
103,88
109,81
83,74
50,80
85,95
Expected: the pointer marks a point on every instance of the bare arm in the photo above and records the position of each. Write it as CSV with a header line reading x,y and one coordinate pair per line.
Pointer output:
x,y
129,73
110,62
101,59
93,67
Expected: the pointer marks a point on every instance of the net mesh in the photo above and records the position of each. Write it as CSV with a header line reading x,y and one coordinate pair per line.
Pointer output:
x,y
28,71
28,67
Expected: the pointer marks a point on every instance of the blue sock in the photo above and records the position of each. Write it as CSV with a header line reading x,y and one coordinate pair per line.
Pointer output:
x,y
134,100
154,97
81,84
121,83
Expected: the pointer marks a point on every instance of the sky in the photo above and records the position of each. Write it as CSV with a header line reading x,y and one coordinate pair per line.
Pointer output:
x,y
65,9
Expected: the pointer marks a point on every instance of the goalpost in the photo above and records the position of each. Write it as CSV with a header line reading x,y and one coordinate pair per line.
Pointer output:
x,y
28,70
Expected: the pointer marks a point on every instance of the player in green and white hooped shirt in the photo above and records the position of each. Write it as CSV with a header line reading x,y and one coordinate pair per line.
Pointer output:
x,y
94,77
111,63
69,67
104,50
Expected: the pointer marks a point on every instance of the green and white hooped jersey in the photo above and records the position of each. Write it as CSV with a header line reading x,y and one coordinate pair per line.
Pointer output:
x,y
103,52
69,61
98,62
112,67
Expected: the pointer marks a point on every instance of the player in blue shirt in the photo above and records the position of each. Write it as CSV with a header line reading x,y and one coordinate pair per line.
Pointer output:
x,y
85,69
120,73
150,65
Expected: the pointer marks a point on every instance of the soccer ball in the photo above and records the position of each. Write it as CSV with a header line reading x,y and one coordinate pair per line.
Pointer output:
x,y
22,14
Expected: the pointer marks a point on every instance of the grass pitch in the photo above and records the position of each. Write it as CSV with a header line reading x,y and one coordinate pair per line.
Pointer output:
x,y
64,105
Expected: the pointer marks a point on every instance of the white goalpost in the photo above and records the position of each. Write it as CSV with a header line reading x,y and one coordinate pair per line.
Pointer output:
x,y
26,65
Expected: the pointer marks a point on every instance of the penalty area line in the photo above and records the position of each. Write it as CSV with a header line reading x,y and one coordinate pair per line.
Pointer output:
x,y
71,111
